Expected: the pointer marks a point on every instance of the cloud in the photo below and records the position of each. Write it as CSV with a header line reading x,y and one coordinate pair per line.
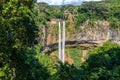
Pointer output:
x,y
56,2
47,1
92,0
74,2
64,2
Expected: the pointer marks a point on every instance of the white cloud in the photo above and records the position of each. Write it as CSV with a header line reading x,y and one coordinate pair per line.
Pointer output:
x,y
56,2
75,2
60,2
92,0
47,1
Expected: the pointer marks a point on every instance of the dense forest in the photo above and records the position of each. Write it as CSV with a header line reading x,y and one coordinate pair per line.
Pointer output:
x,y
104,10
21,40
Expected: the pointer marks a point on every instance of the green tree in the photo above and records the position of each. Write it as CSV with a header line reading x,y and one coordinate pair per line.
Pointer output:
x,y
102,63
18,33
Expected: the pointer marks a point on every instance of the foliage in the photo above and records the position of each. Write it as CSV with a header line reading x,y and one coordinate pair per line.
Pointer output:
x,y
17,37
75,53
77,15
65,72
47,61
58,70
102,63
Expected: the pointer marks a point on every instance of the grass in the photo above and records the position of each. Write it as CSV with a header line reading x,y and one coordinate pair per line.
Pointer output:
x,y
76,54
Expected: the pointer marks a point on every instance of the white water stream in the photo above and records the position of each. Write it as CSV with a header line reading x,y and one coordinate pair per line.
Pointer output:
x,y
61,43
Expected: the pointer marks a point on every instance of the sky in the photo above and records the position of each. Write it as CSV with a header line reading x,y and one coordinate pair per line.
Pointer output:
x,y
60,2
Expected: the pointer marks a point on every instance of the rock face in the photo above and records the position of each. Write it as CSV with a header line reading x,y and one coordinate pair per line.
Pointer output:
x,y
101,34
84,53
93,34
98,34
69,59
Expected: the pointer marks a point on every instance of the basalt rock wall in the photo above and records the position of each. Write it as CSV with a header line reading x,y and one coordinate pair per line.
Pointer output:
x,y
98,34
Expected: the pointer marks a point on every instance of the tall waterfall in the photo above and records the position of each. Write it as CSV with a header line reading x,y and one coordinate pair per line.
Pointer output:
x,y
61,44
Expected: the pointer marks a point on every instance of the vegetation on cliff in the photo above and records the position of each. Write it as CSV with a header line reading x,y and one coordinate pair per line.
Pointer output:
x,y
77,15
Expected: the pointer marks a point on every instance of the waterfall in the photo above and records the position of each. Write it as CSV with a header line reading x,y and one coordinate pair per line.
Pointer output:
x,y
61,44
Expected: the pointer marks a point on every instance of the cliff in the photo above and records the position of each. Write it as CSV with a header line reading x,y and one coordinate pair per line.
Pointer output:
x,y
90,36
